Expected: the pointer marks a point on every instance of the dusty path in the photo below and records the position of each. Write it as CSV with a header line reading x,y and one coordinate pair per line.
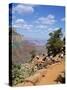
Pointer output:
x,y
52,73
45,76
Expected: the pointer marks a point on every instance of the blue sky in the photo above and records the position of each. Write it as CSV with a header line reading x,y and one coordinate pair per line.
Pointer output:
x,y
37,21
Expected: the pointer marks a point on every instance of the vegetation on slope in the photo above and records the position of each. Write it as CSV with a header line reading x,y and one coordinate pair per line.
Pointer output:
x,y
55,43
20,72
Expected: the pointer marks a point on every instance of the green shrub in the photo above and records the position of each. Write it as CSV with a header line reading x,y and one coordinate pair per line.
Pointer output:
x,y
20,72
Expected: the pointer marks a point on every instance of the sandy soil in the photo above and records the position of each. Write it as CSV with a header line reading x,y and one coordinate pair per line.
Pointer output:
x,y
52,73
45,76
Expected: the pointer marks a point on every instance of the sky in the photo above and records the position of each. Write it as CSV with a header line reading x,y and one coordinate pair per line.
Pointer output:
x,y
37,21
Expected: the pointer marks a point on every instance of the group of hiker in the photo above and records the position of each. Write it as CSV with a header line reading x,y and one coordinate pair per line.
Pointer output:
x,y
44,60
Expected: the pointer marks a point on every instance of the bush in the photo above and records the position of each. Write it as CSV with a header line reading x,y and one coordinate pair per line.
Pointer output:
x,y
61,78
20,72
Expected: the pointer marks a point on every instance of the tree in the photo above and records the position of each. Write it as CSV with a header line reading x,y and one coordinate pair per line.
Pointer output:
x,y
63,49
55,43
33,53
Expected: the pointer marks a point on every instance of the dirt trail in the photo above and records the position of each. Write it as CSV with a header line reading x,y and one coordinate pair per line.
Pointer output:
x,y
52,73
45,76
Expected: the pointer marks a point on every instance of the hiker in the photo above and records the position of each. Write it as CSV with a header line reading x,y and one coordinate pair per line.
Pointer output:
x,y
37,57
44,58
51,58
61,55
43,54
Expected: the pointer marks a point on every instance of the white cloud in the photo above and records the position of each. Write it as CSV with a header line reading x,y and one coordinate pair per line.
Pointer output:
x,y
21,24
42,23
49,20
45,22
40,26
27,27
62,19
56,28
50,16
20,21
51,29
23,9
